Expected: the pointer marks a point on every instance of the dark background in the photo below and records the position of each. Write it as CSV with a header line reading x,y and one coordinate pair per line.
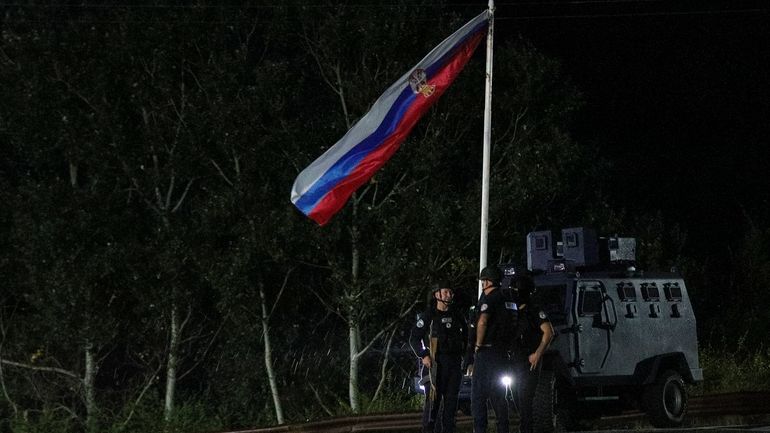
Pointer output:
x,y
671,114
676,97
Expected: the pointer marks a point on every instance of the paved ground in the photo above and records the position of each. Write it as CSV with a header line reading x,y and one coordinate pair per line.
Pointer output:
x,y
712,429
726,424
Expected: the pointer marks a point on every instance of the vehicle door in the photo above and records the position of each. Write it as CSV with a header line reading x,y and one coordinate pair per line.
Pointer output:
x,y
595,319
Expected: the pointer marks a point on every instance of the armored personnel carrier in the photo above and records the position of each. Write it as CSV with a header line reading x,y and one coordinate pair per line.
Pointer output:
x,y
624,338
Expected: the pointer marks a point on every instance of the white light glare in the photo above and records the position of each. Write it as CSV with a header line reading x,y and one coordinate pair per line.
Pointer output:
x,y
422,387
506,380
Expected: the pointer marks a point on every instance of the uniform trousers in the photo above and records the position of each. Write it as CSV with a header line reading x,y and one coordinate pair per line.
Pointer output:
x,y
488,368
526,381
439,413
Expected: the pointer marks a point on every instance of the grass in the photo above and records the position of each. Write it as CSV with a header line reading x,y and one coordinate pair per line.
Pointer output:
x,y
733,371
725,371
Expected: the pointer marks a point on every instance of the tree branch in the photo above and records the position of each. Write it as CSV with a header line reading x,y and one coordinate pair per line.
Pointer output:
x,y
320,402
328,306
343,102
186,319
184,194
205,352
314,265
317,59
391,192
2,377
283,286
387,328
40,368
385,357
221,173
141,395
170,190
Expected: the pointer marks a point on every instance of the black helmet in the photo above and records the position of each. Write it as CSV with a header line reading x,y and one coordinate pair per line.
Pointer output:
x,y
524,287
438,285
491,273
441,284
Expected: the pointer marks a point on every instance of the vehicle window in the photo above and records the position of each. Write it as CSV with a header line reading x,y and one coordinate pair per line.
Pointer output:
x,y
551,299
650,292
626,292
673,291
590,303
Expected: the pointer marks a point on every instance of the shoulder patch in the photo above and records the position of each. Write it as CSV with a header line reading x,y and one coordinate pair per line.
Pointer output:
x,y
542,315
484,307
420,323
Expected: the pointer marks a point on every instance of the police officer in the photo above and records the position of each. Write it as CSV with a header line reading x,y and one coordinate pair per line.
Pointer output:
x,y
439,338
489,357
533,334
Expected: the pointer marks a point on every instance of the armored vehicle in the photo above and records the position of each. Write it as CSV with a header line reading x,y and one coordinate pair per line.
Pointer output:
x,y
624,338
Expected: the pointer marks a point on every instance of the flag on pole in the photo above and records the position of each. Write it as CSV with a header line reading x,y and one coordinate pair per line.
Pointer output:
x,y
323,187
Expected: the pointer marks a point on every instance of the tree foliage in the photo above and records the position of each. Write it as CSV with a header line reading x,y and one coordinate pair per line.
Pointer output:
x,y
149,153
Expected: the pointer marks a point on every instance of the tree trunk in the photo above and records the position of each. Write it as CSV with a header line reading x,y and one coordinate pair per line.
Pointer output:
x,y
384,368
355,331
269,356
89,382
173,359
89,377
355,348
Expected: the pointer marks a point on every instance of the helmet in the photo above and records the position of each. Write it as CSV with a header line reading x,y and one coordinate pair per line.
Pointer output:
x,y
441,284
437,286
524,287
491,273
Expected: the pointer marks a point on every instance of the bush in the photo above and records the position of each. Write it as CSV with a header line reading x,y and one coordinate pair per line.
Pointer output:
x,y
398,400
188,417
47,421
734,371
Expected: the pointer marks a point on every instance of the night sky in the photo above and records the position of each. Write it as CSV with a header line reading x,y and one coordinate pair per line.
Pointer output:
x,y
677,97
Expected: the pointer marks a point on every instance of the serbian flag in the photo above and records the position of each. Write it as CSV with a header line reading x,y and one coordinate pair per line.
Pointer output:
x,y
324,186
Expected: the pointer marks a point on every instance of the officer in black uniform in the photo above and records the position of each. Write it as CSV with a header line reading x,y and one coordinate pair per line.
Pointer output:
x,y
489,359
444,329
533,334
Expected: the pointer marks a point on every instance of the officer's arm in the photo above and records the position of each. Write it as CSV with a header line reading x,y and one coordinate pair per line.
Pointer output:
x,y
481,328
545,340
534,358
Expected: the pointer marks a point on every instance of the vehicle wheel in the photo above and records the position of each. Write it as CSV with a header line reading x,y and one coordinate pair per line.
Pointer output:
x,y
549,411
665,401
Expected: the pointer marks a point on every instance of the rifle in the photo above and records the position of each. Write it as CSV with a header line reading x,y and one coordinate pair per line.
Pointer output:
x,y
433,365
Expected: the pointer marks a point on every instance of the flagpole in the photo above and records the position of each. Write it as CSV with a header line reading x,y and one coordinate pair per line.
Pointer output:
x,y
487,143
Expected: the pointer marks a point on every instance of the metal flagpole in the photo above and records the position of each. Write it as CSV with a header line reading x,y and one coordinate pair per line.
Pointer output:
x,y
487,143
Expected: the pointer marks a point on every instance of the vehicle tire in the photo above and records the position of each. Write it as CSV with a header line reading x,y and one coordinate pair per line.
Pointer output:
x,y
549,412
665,401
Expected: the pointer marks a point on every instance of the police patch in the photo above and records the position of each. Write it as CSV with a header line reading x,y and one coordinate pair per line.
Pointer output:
x,y
484,307
420,323
542,315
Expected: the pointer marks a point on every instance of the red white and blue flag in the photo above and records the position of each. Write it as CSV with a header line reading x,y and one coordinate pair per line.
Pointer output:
x,y
324,186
